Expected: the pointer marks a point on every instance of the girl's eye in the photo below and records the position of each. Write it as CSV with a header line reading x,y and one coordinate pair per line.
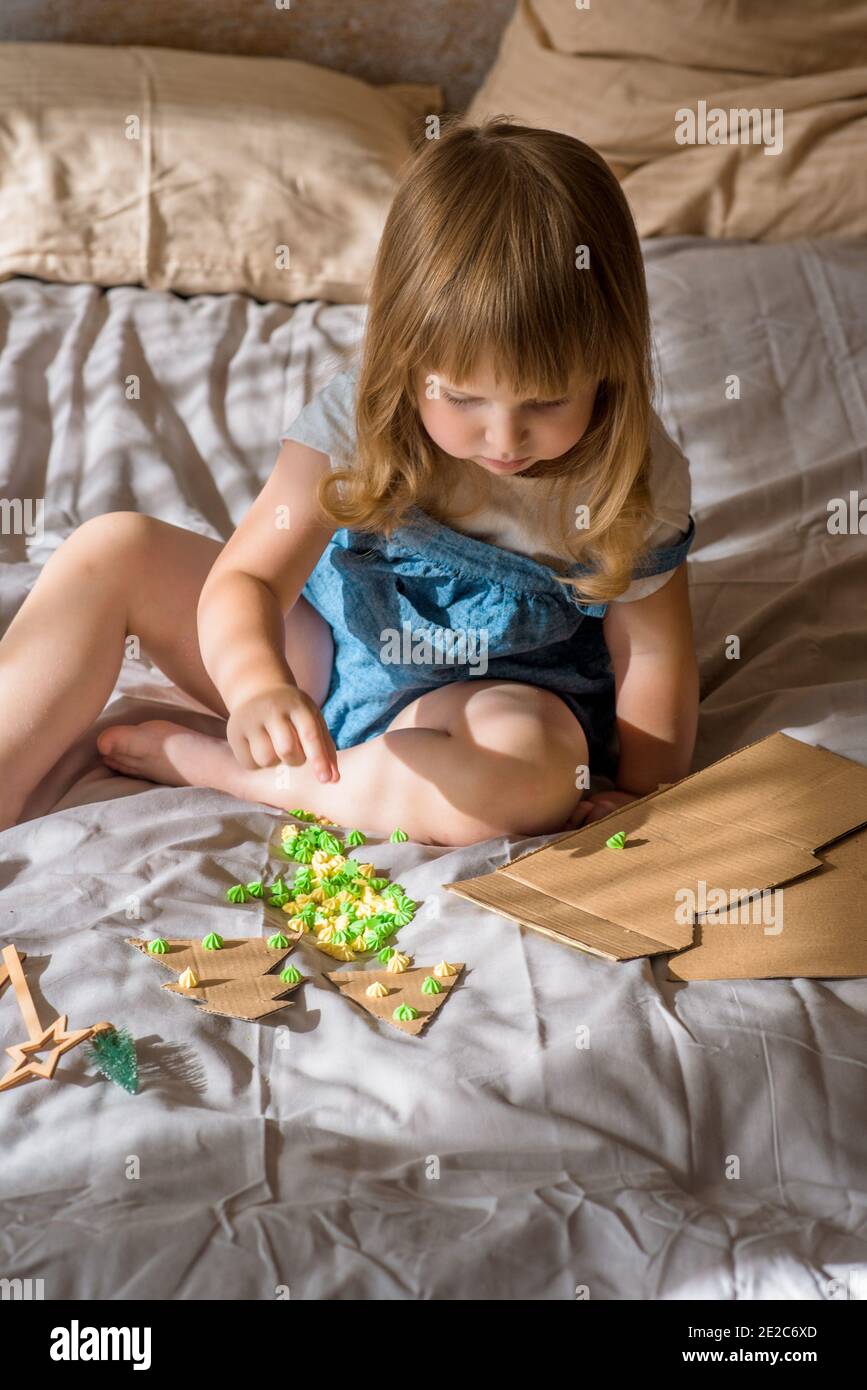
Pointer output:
x,y
534,405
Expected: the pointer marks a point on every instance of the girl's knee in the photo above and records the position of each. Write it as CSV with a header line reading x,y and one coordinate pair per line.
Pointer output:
x,y
527,753
113,529
510,716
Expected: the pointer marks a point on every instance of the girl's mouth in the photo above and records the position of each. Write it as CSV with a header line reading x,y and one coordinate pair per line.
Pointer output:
x,y
505,467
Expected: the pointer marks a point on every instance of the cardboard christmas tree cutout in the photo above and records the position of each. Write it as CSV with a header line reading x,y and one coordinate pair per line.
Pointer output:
x,y
234,980
54,1040
405,993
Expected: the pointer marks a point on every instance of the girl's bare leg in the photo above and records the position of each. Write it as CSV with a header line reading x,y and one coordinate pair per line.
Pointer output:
x,y
117,575
465,763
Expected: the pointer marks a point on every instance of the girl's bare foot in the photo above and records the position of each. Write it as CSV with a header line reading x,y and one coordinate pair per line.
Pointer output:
x,y
160,751
177,756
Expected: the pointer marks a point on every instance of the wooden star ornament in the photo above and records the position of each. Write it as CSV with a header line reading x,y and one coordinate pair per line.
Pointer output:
x,y
21,1053
57,1034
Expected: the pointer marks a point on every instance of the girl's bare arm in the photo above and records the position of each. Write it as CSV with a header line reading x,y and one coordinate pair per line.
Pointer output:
x,y
258,576
656,679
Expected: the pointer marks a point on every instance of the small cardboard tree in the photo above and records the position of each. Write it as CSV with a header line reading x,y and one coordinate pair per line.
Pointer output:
x,y
234,980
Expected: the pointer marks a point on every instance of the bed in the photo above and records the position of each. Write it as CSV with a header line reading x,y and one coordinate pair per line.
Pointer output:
x,y
493,1157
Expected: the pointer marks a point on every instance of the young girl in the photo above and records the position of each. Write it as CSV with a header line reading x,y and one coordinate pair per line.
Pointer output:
x,y
463,587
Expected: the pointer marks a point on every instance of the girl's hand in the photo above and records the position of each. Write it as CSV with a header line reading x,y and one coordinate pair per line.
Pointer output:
x,y
282,725
591,808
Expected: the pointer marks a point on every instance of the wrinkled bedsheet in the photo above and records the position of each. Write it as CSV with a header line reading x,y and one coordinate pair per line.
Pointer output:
x,y
708,1143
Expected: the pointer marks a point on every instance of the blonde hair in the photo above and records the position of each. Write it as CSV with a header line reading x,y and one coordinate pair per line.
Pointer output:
x,y
477,257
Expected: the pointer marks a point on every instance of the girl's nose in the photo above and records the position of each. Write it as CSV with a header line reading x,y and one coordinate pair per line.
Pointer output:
x,y
507,444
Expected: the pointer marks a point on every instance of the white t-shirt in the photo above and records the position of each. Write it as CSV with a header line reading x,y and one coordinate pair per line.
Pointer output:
x,y
512,509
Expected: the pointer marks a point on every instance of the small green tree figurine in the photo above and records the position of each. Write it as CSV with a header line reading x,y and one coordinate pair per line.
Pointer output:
x,y
112,1052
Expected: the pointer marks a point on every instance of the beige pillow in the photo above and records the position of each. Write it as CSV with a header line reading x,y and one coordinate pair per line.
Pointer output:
x,y
190,171
782,37
615,76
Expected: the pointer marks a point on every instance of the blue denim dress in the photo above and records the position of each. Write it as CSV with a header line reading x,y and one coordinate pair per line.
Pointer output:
x,y
509,618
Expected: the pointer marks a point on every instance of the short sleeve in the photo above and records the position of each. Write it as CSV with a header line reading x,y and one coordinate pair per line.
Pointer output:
x,y
671,499
327,421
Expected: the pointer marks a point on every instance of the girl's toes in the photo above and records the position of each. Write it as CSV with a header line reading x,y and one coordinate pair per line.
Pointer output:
x,y
115,767
119,764
115,744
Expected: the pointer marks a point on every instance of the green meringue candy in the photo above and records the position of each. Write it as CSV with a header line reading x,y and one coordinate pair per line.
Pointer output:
x,y
405,1013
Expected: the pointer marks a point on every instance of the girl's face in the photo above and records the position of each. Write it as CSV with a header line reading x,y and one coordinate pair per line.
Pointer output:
x,y
499,432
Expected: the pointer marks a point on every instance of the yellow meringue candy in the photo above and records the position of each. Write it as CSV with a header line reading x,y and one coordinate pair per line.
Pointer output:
x,y
320,858
444,969
342,921
336,862
398,963
326,933
366,869
338,951
377,990
314,896
364,909
358,943
189,979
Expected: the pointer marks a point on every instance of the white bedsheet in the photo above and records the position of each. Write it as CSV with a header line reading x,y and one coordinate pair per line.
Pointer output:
x,y
301,1151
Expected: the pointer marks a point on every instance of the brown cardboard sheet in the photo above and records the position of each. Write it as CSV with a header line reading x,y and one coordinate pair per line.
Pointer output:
x,y
753,867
